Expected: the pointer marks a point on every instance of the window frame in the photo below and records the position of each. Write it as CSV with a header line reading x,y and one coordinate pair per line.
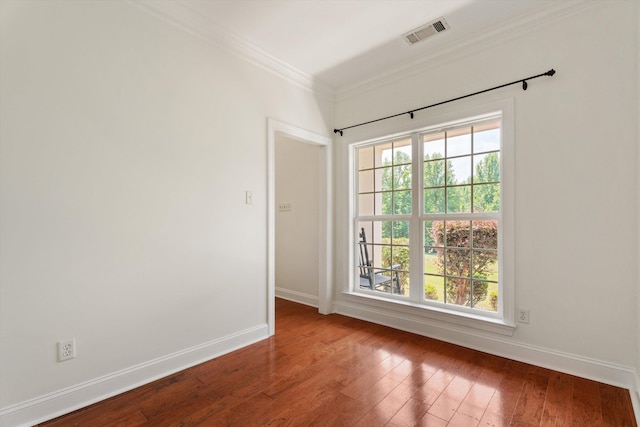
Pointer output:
x,y
502,321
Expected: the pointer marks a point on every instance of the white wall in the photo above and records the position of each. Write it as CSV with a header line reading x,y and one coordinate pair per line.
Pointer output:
x,y
638,197
127,147
576,176
297,245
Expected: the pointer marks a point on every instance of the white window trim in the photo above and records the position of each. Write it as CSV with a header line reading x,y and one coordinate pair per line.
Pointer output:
x,y
504,324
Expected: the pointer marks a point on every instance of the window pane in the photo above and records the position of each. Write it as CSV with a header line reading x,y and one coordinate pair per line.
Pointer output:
x,y
365,251
385,279
365,254
384,179
459,170
403,278
431,236
374,257
394,265
433,146
367,226
486,137
383,153
485,234
485,265
486,198
479,291
365,204
490,302
458,291
365,181
434,173
365,158
459,199
434,200
400,257
402,202
458,262
381,232
437,233
377,204
387,203
434,288
458,234
400,233
459,142
402,177
486,168
433,262
402,152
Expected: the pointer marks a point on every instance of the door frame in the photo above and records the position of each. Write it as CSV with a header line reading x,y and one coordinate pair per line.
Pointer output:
x,y
325,225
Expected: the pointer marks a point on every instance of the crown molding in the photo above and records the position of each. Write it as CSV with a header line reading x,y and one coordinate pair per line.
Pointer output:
x,y
179,14
475,42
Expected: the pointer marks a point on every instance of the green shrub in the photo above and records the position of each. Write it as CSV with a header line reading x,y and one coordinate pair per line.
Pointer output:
x,y
456,259
400,256
493,300
430,292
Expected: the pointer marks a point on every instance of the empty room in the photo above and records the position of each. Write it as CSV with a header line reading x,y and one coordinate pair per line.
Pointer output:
x,y
319,212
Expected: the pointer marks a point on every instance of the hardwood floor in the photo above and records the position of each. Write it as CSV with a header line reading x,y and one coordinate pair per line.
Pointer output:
x,y
337,371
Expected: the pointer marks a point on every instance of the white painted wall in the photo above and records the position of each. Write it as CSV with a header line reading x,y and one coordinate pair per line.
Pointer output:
x,y
297,244
127,145
576,139
638,177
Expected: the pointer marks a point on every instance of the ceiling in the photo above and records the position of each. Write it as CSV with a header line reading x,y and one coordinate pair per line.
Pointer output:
x,y
345,42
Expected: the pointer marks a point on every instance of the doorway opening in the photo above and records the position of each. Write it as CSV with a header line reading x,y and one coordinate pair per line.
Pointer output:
x,y
294,143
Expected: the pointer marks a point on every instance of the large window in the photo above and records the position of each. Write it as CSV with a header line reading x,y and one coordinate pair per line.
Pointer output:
x,y
428,217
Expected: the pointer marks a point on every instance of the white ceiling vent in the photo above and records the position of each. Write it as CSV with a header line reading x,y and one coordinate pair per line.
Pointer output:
x,y
427,30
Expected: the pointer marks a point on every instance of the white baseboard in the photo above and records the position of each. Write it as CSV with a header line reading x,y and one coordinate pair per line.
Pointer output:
x,y
635,398
597,370
295,296
73,398
70,399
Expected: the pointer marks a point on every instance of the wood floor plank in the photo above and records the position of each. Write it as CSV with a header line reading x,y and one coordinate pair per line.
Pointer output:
x,y
450,399
617,409
433,388
338,371
557,411
395,400
586,405
528,411
342,411
503,403
474,405
412,410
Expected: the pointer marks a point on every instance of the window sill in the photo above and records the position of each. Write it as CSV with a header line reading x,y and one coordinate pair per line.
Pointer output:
x,y
406,311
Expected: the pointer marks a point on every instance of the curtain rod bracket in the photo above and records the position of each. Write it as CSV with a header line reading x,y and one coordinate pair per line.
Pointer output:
x,y
525,85
411,114
337,131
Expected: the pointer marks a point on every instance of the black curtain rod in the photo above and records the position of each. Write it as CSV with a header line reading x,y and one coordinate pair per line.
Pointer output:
x,y
551,72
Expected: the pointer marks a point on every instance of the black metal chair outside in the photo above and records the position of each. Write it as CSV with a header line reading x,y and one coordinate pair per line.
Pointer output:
x,y
379,279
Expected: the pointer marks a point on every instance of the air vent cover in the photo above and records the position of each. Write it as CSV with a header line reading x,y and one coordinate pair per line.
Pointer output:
x,y
427,30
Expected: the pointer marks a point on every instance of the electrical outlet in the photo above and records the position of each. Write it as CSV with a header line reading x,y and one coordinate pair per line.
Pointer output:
x,y
66,350
523,315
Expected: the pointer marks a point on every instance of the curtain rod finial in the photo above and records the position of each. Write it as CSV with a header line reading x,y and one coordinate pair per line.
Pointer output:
x,y
551,72
337,131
